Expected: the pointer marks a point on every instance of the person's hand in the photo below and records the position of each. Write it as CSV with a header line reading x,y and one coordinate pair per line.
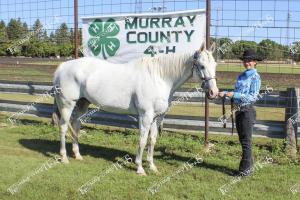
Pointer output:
x,y
221,94
230,94
227,94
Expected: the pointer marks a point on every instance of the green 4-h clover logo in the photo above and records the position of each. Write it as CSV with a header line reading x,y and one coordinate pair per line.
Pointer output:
x,y
102,37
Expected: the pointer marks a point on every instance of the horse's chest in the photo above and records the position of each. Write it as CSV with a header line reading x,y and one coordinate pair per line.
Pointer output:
x,y
161,105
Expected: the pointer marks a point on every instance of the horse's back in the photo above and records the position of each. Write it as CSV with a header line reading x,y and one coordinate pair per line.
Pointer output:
x,y
102,83
116,87
70,76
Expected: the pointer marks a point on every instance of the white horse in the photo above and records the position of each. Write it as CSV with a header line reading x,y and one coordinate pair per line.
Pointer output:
x,y
144,87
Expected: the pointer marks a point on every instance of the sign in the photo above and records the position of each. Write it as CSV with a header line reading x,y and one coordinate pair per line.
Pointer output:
x,y
122,38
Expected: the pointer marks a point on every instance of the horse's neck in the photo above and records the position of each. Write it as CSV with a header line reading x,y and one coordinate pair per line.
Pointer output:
x,y
181,81
184,76
174,69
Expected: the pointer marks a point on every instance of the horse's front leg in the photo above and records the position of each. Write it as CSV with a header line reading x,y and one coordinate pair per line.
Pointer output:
x,y
151,144
145,121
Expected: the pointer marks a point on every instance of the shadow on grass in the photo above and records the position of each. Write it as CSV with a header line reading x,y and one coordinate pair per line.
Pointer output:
x,y
171,156
48,148
30,122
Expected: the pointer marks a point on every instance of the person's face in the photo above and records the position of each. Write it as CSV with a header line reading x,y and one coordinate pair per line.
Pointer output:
x,y
249,64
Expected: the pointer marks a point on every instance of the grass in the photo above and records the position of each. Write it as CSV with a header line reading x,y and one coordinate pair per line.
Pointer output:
x,y
27,146
55,63
261,68
277,79
26,73
26,98
263,113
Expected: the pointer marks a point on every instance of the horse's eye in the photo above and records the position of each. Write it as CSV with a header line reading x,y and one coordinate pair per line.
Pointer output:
x,y
202,67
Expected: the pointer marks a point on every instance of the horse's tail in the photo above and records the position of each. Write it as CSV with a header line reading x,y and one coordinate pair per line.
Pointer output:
x,y
55,91
55,114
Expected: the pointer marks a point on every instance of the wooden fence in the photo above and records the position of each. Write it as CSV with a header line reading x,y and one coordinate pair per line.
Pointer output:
x,y
274,129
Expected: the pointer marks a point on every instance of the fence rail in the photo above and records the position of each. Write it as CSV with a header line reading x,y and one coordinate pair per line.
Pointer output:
x,y
273,129
171,122
276,99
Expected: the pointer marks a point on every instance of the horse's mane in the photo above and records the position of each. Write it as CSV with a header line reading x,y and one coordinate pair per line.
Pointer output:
x,y
166,66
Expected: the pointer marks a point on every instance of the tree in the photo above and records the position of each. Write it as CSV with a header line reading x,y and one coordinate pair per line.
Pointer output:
x,y
80,36
45,36
66,49
52,37
270,50
62,34
3,39
224,48
25,29
3,34
72,35
295,51
37,28
241,45
15,29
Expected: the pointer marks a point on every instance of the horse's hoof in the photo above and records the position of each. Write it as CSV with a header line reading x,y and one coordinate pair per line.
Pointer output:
x,y
65,160
78,157
154,169
141,172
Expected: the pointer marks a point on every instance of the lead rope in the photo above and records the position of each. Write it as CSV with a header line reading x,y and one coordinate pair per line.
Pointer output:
x,y
223,111
231,114
232,119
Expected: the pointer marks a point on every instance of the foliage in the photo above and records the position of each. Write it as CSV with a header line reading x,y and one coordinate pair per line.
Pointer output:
x,y
17,40
36,41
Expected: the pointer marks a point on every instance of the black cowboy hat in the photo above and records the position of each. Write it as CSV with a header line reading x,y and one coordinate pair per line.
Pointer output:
x,y
250,54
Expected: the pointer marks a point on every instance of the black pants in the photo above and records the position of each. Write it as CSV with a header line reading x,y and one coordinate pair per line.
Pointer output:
x,y
245,120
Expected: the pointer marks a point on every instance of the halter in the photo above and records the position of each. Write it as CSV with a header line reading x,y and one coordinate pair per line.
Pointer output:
x,y
197,65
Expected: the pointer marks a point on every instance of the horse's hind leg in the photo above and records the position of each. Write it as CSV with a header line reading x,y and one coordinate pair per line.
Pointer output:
x,y
66,108
81,108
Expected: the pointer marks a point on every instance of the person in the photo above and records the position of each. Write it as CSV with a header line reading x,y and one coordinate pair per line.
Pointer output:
x,y
244,96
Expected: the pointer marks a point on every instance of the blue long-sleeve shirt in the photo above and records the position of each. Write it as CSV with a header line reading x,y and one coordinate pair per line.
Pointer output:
x,y
247,88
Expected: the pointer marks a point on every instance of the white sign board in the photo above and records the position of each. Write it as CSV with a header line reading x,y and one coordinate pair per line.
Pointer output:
x,y
122,38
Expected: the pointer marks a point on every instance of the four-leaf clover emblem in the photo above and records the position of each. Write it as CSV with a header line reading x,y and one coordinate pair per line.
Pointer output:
x,y
102,37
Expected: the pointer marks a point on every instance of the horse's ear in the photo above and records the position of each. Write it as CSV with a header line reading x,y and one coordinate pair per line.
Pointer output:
x,y
212,47
202,47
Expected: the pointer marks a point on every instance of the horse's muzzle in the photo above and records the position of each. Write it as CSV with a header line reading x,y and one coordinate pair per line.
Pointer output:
x,y
212,94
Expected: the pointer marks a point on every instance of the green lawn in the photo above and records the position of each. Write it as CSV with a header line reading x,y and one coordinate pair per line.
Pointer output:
x,y
261,68
279,78
28,73
23,71
263,113
27,146
55,63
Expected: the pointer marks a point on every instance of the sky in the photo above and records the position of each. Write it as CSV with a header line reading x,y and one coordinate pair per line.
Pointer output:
x,y
234,19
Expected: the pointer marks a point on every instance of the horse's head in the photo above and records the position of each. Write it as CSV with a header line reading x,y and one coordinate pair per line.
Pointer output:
x,y
204,70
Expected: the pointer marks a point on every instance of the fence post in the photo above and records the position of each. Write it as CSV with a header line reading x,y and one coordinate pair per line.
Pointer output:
x,y
291,119
208,9
76,28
